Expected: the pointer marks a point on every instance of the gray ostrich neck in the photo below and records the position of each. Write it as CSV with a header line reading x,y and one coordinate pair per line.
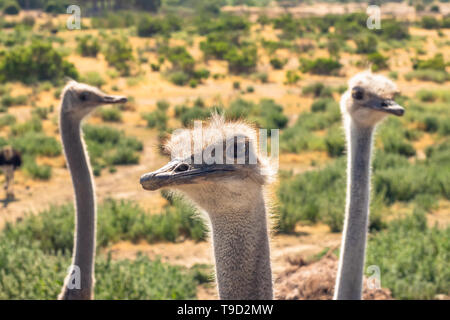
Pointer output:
x,y
351,265
84,243
242,253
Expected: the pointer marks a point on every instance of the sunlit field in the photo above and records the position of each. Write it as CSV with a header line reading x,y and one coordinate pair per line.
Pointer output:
x,y
278,65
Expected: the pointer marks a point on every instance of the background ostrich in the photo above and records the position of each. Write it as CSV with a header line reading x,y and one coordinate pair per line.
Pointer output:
x,y
368,100
78,100
231,192
10,160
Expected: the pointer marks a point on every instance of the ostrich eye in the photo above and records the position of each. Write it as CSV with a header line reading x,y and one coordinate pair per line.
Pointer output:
x,y
83,96
357,93
182,167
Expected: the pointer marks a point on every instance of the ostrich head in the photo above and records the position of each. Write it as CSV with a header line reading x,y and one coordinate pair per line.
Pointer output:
x,y
216,166
8,152
80,99
369,99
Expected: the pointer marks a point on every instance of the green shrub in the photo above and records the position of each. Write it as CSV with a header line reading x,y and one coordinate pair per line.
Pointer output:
x,y
292,77
429,22
318,89
412,257
426,95
41,113
36,171
117,221
180,78
151,26
54,7
7,120
277,63
378,61
29,273
436,63
302,198
111,114
9,101
108,146
187,115
37,144
88,46
393,29
428,75
335,142
35,62
366,43
266,114
119,54
243,60
11,8
323,66
93,78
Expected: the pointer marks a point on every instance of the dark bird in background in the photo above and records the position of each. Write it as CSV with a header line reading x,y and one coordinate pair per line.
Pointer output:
x,y
10,160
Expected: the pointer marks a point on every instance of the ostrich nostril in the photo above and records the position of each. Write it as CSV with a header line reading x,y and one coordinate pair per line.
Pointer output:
x,y
182,167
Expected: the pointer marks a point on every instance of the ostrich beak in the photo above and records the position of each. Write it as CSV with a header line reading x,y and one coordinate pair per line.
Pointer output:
x,y
114,99
178,172
392,107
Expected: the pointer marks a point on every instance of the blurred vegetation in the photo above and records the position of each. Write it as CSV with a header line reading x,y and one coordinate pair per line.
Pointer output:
x,y
413,258
35,62
109,147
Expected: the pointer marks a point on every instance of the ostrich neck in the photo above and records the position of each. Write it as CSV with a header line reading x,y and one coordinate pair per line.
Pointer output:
x,y
242,253
351,265
84,244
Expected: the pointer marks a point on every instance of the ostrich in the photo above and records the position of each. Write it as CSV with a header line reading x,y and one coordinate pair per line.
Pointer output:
x,y
78,100
225,177
368,100
10,160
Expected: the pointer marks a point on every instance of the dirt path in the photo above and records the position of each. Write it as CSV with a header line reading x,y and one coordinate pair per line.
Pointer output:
x,y
124,184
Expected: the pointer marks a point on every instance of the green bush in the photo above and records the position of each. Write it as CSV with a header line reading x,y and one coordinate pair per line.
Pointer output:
x,y
119,54
335,142
318,89
37,144
187,115
180,78
428,75
88,46
378,61
412,257
29,273
243,60
366,43
393,29
108,146
117,221
93,78
429,22
7,120
158,118
277,63
9,101
436,63
36,171
151,26
323,66
111,114
55,7
11,8
266,114
292,77
35,62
